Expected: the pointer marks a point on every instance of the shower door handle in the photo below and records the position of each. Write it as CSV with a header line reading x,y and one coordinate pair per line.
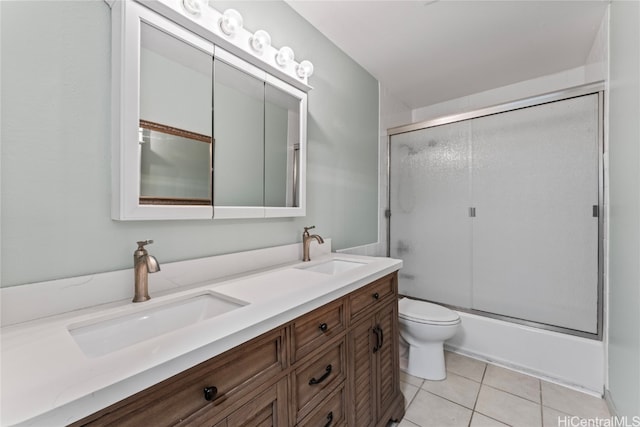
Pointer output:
x,y
472,212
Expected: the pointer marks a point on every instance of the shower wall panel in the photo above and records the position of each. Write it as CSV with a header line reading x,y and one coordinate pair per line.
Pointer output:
x,y
430,202
496,213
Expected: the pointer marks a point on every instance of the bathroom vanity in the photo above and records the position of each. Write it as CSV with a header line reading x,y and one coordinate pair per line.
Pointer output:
x,y
336,365
300,343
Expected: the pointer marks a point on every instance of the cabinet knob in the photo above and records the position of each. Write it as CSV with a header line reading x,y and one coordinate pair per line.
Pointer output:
x,y
376,296
210,393
323,327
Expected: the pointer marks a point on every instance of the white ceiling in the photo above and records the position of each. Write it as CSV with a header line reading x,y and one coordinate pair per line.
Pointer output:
x,y
425,52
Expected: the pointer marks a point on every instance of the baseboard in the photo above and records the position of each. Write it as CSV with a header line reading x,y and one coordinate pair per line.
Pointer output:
x,y
609,401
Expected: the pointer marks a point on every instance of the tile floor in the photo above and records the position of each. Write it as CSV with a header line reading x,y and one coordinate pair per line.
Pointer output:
x,y
478,394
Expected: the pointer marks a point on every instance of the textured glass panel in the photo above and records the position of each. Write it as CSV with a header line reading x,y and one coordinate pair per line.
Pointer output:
x,y
535,180
238,102
430,226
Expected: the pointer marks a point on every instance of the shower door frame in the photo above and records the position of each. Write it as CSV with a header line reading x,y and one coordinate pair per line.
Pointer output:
x,y
573,92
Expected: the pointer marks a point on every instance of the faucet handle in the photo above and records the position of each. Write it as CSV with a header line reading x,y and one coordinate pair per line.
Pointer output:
x,y
306,229
142,243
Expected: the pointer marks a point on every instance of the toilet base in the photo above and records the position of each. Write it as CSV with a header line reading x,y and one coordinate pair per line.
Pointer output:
x,y
427,361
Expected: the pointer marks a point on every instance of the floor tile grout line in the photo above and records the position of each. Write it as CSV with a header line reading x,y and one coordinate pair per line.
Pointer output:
x,y
447,399
541,404
475,403
495,387
415,394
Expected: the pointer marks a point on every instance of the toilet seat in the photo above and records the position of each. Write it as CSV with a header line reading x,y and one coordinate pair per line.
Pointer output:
x,y
426,312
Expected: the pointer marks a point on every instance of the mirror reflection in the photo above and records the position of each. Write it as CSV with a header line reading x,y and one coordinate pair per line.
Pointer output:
x,y
174,166
282,148
175,120
238,108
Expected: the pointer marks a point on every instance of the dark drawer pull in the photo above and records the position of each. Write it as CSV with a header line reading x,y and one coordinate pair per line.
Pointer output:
x,y
329,419
323,327
376,331
379,338
376,296
210,393
314,381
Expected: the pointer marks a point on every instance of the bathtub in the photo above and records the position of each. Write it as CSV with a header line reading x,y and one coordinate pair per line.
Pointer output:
x,y
560,358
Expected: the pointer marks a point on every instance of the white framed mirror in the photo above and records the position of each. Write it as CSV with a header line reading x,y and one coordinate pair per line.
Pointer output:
x,y
260,142
199,132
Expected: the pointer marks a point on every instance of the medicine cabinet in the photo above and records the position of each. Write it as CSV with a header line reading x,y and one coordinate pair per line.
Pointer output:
x,y
199,132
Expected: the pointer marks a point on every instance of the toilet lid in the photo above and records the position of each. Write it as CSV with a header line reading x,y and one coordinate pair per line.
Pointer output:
x,y
426,312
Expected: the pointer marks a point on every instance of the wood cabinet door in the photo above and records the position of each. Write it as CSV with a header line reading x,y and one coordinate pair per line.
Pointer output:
x,y
361,374
387,358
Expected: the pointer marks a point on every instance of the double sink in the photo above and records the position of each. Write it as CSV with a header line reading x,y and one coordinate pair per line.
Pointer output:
x,y
98,337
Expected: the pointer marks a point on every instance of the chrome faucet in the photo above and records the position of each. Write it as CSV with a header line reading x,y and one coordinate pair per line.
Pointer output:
x,y
143,264
306,241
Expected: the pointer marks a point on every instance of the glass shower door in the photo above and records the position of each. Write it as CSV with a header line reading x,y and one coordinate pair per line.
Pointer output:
x,y
430,226
535,237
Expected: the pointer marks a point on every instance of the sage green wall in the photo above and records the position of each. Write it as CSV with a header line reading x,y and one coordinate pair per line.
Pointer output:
x,y
55,85
624,208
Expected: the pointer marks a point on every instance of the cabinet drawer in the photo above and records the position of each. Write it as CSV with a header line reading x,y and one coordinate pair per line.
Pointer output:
x,y
234,374
316,329
268,408
330,413
313,381
372,296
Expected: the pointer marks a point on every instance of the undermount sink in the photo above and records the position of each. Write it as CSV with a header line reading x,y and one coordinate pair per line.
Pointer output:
x,y
110,334
334,266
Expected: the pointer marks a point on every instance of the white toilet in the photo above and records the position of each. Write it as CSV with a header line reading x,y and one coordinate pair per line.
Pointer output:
x,y
425,327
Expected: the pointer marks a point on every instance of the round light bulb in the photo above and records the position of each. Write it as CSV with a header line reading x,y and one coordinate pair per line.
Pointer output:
x,y
285,56
230,22
260,41
305,69
194,7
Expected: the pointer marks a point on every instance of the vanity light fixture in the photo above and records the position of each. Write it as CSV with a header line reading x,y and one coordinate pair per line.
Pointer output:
x,y
194,7
285,56
230,22
304,69
260,41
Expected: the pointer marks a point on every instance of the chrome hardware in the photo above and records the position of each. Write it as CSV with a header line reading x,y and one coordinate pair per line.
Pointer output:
x,y
306,241
472,212
143,264
595,212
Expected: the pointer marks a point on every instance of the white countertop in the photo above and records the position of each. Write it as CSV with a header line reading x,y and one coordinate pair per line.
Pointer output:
x,y
48,380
